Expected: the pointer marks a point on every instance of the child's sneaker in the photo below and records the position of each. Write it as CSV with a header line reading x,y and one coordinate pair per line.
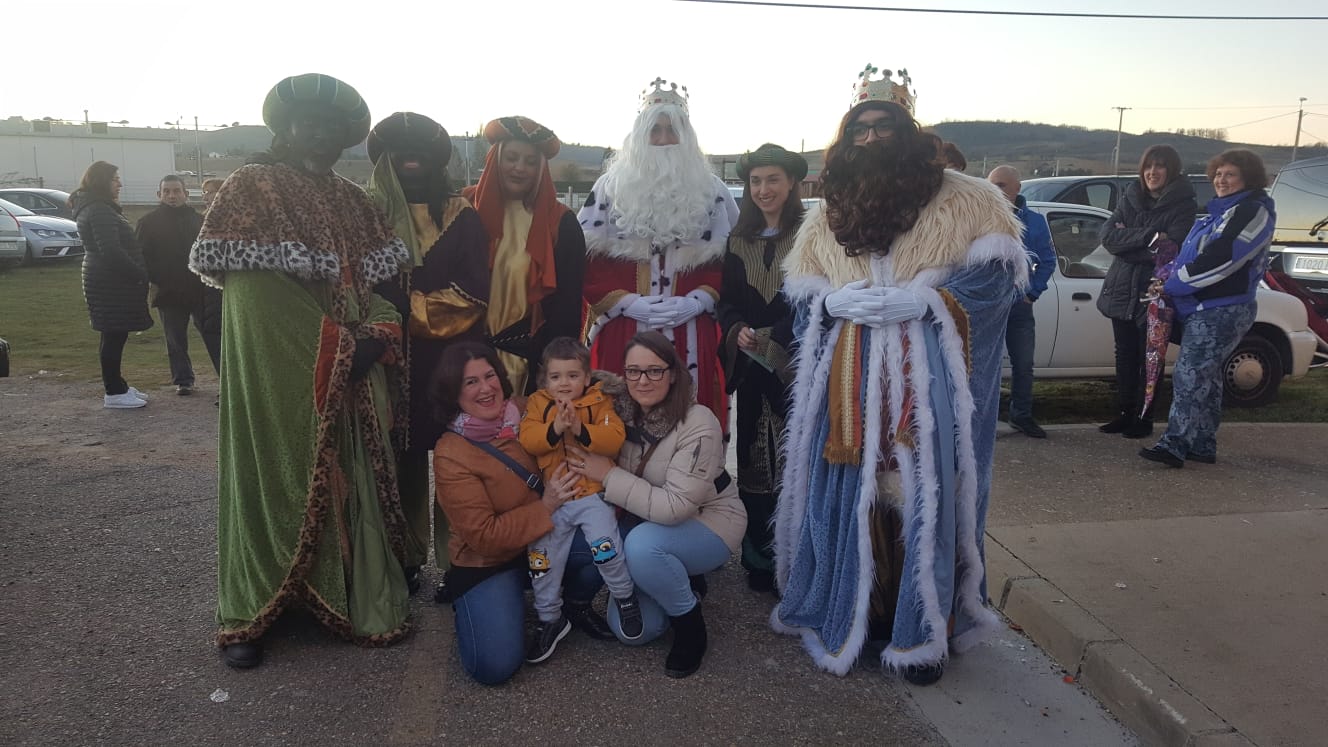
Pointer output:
x,y
546,639
629,617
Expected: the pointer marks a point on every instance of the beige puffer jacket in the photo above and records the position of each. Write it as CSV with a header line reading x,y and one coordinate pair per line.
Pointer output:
x,y
678,482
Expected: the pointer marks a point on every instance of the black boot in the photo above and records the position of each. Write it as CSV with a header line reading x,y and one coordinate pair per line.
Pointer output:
x,y
923,675
586,619
1122,421
412,579
699,585
1141,428
689,644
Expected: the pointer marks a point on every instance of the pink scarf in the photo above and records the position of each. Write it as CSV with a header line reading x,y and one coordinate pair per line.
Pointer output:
x,y
479,429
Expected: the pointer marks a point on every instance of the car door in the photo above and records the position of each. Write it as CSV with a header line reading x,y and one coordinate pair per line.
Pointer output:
x,y
1083,338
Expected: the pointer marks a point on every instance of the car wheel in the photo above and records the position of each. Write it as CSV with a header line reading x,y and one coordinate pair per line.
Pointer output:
x,y
1252,373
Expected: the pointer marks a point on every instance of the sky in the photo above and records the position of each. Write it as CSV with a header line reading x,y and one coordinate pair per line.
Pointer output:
x,y
755,74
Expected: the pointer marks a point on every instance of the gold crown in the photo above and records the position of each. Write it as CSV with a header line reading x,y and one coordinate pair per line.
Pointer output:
x,y
883,88
658,94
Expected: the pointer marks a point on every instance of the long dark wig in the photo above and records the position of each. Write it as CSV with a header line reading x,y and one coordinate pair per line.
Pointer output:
x,y
874,192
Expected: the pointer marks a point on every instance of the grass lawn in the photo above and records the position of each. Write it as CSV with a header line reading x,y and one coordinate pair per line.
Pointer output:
x,y
43,317
45,320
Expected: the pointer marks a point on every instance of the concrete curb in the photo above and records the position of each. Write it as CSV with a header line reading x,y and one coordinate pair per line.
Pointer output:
x,y
1142,696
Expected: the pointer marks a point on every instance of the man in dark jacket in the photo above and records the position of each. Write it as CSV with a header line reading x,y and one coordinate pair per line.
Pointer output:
x,y
166,235
1020,330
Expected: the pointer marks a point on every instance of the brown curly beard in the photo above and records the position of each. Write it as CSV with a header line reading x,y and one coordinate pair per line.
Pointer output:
x,y
875,192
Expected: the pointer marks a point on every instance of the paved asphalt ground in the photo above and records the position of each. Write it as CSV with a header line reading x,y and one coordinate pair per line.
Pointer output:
x,y
107,537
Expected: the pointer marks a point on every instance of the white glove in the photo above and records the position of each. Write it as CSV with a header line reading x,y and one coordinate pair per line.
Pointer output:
x,y
674,311
875,307
641,308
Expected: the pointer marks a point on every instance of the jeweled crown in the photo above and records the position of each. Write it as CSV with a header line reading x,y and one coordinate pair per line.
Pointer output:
x,y
883,88
658,94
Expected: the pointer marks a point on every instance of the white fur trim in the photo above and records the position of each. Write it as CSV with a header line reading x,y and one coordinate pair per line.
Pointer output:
x,y
680,257
1007,249
613,313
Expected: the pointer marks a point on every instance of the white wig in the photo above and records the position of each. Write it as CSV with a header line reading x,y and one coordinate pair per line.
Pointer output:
x,y
661,192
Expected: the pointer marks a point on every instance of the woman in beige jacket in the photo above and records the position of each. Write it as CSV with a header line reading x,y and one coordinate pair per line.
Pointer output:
x,y
671,475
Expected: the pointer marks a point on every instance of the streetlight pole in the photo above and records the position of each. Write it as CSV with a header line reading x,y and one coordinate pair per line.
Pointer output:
x,y
1115,156
1300,118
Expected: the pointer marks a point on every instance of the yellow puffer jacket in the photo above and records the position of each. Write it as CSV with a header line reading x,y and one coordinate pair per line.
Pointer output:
x,y
602,432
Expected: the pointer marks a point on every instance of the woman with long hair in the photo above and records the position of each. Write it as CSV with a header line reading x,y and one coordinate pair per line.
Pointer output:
x,y
115,282
1213,288
1157,207
670,474
757,324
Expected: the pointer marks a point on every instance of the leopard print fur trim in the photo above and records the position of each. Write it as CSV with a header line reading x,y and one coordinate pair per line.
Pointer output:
x,y
211,259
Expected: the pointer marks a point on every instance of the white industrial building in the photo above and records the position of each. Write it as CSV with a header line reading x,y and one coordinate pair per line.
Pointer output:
x,y
54,155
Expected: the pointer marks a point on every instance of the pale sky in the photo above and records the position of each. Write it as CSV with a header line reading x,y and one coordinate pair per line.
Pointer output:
x,y
755,74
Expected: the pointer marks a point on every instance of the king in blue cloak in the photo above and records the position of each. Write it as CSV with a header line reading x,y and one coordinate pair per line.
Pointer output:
x,y
881,514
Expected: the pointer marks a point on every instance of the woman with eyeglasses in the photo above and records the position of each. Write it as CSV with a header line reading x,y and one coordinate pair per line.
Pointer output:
x,y
671,475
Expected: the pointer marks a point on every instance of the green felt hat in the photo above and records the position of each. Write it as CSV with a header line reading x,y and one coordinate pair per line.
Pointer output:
x,y
316,87
772,155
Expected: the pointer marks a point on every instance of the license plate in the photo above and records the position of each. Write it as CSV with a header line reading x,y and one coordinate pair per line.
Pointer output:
x,y
1310,264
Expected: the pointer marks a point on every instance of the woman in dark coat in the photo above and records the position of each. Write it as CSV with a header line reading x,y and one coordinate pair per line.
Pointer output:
x,y
115,283
757,324
1159,207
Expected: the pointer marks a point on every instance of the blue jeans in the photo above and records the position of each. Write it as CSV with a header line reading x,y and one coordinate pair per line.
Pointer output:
x,y
490,617
1196,381
1020,342
660,559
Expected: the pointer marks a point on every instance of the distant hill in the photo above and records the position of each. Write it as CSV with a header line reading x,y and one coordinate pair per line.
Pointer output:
x,y
1036,147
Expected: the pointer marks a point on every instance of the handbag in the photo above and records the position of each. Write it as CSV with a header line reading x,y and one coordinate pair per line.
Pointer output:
x,y
531,479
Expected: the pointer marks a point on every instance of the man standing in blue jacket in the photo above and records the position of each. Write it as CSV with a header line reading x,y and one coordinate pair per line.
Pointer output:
x,y
1020,332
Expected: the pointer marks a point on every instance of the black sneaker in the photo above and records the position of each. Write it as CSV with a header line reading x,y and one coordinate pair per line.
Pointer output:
x,y
1201,458
1122,421
1028,428
546,639
629,617
1162,456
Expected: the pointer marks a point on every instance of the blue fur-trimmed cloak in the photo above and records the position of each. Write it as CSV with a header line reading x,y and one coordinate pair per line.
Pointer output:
x,y
965,258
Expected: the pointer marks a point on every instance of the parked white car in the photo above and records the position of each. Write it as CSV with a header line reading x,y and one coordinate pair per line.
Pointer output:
x,y
1074,340
13,244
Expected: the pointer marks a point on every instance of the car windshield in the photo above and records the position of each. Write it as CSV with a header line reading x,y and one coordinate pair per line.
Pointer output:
x,y
15,209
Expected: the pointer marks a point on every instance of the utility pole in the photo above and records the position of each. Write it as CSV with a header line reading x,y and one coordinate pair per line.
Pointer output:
x,y
1115,156
1300,118
198,148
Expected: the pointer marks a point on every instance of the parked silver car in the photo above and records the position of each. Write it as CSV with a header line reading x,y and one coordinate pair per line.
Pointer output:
x,y
48,237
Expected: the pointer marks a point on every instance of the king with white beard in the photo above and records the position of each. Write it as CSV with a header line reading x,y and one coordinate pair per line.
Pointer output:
x,y
655,224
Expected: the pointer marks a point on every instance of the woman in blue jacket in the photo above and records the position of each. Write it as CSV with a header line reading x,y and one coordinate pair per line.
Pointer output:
x,y
1216,275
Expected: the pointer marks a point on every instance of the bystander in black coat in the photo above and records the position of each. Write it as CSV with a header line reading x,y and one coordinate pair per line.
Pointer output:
x,y
115,283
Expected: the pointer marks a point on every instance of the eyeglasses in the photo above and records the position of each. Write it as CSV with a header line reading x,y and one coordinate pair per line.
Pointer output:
x,y
655,373
883,129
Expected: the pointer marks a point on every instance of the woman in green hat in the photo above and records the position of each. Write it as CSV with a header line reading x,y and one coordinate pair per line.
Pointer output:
x,y
757,324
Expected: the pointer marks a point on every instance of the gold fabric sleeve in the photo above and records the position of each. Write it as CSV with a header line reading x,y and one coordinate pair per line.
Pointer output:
x,y
443,313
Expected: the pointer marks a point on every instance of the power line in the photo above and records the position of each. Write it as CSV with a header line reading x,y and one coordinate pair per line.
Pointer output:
x,y
1213,108
1256,121
1042,14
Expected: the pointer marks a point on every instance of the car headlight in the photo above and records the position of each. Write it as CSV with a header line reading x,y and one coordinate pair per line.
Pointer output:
x,y
47,233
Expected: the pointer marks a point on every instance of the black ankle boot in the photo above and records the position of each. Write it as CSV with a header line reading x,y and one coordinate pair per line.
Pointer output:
x,y
699,585
586,619
1141,428
689,644
1122,421
412,573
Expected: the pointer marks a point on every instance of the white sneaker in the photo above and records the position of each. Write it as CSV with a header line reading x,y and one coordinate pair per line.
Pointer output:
x,y
124,401
138,394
